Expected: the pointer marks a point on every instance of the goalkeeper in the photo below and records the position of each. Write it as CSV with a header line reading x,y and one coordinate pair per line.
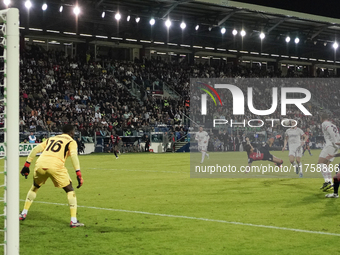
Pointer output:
x,y
51,164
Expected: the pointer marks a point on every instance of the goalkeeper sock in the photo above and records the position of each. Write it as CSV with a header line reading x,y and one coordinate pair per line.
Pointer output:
x,y
336,184
72,201
31,195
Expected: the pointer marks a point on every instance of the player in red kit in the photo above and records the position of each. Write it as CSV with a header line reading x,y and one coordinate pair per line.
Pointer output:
x,y
306,146
114,140
262,153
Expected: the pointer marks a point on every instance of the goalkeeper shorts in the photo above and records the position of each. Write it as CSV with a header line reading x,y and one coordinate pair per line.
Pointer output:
x,y
60,177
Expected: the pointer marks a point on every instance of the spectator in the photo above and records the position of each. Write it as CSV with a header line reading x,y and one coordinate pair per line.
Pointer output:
x,y
173,141
128,132
32,126
81,146
32,138
225,138
165,141
237,142
44,138
147,143
231,143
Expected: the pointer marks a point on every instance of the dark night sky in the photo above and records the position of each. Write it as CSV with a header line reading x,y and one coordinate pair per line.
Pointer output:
x,y
328,8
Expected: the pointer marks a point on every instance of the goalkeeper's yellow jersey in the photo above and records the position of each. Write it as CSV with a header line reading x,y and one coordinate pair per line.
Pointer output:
x,y
55,151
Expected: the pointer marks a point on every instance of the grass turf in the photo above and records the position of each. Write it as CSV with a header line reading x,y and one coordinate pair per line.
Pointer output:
x,y
161,184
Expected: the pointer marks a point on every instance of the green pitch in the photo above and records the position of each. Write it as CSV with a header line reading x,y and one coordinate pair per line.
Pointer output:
x,y
148,204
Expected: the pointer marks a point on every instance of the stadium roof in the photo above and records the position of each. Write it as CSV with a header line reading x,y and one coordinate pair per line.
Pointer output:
x,y
316,33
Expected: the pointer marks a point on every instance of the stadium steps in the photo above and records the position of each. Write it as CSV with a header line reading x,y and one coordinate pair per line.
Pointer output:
x,y
170,92
134,91
182,146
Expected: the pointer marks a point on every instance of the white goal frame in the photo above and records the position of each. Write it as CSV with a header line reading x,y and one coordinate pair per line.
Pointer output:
x,y
11,56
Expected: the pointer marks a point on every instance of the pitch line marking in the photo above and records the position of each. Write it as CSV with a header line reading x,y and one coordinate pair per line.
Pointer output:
x,y
196,218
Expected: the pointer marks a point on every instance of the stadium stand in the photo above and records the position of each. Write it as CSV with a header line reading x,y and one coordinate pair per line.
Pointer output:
x,y
56,90
96,97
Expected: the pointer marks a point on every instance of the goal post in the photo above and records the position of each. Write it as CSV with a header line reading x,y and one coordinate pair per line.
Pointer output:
x,y
11,129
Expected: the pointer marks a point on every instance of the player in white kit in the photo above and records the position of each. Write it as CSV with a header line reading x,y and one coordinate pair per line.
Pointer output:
x,y
203,138
332,138
293,137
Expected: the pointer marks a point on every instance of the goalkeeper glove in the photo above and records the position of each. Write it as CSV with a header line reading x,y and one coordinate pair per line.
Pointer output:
x,y
79,178
25,171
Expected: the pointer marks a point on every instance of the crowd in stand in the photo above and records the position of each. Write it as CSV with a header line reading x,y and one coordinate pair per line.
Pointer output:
x,y
95,97
55,90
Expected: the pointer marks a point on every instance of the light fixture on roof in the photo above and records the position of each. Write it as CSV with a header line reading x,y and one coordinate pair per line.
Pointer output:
x,y
262,35
183,25
168,23
137,19
197,27
210,28
7,2
287,39
223,30
76,10
325,44
234,32
243,33
297,40
28,4
128,18
103,14
335,45
152,22
61,8
44,7
118,16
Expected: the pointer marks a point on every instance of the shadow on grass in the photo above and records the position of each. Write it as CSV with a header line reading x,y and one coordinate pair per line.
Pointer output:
x,y
42,219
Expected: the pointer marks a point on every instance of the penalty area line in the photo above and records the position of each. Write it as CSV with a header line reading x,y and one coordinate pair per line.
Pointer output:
x,y
197,218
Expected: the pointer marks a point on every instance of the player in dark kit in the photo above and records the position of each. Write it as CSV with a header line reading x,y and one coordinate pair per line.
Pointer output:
x,y
114,140
336,178
262,153
306,145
